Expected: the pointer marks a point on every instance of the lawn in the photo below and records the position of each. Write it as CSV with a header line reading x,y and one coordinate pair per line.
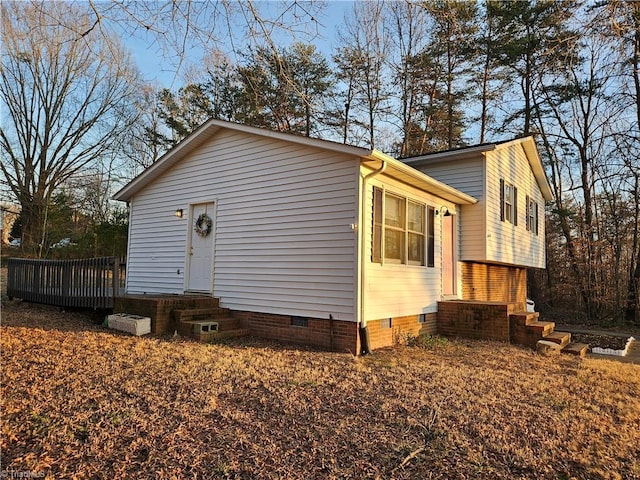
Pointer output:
x,y
79,401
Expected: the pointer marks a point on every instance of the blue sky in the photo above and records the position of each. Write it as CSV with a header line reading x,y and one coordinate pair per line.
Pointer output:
x,y
159,68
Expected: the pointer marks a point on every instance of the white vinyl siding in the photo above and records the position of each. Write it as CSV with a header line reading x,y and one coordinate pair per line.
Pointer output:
x,y
468,176
511,242
156,263
484,237
283,237
392,289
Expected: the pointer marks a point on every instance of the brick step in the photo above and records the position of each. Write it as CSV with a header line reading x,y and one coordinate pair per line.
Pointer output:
x,y
196,314
544,329
575,348
217,336
227,322
561,338
524,318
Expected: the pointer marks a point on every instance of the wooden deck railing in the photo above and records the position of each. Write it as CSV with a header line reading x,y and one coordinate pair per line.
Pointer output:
x,y
91,282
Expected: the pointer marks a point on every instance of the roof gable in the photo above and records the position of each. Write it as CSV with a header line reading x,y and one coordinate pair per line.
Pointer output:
x,y
210,128
527,144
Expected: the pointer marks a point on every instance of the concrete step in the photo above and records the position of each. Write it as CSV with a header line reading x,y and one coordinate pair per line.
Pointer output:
x,y
189,329
561,338
524,318
219,324
196,314
575,348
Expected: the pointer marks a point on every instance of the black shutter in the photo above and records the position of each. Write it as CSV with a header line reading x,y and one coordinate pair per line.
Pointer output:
x,y
502,200
515,206
376,247
528,216
431,238
537,216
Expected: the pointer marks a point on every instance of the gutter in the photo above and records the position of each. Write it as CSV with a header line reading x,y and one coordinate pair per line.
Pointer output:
x,y
364,334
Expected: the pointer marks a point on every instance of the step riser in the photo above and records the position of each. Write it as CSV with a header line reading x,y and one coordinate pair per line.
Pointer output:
x,y
579,349
528,335
224,323
561,338
543,331
524,319
205,323
194,315
217,336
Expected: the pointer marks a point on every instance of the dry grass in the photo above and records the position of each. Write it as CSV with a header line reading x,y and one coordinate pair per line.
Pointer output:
x,y
82,402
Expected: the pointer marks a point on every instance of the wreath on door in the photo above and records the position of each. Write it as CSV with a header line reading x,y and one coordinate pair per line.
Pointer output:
x,y
203,225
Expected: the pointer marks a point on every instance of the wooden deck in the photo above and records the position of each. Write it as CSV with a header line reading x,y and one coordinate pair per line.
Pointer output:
x,y
89,283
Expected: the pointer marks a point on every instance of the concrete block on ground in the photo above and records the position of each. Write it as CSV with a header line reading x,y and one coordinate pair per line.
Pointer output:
x,y
126,322
547,348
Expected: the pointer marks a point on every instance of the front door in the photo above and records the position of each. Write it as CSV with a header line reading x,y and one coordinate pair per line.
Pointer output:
x,y
448,255
200,251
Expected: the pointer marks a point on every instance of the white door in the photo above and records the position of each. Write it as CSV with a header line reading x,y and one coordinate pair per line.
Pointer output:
x,y
200,251
448,255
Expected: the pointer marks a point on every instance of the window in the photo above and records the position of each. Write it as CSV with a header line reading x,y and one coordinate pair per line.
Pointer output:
x,y
532,215
386,323
508,202
415,233
399,230
394,229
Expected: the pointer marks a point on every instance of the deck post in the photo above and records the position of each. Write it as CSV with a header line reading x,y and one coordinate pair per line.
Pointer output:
x,y
116,276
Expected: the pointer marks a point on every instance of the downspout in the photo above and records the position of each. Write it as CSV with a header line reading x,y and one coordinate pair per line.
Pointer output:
x,y
364,333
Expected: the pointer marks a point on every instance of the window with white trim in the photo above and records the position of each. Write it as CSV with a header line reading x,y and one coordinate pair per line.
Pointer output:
x,y
399,230
508,202
532,215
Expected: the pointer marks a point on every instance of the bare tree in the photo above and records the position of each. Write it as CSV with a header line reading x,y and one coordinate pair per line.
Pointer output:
x,y
624,26
146,141
409,26
175,27
69,102
365,40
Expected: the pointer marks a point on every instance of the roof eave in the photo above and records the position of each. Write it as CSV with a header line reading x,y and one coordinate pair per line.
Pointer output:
x,y
444,156
538,169
407,174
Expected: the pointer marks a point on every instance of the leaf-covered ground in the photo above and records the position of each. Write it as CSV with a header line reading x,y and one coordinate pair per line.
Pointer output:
x,y
79,401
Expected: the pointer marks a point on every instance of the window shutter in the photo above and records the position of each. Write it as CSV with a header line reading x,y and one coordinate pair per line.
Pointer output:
x,y
515,206
502,200
528,214
376,234
537,216
431,238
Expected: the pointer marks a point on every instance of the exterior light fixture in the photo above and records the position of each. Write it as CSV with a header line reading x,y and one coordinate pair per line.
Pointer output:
x,y
444,210
178,213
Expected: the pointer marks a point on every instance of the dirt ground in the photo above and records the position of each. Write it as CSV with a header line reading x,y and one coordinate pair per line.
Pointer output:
x,y
80,401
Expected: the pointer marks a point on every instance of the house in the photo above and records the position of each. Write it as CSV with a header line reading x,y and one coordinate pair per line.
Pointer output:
x,y
311,241
501,234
